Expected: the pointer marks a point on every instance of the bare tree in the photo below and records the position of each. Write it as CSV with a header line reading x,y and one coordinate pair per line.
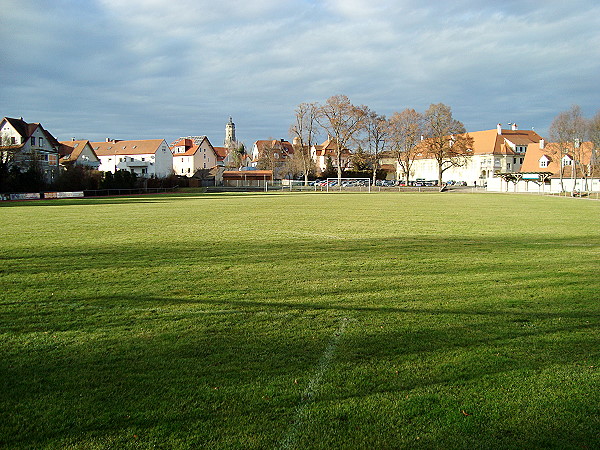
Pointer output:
x,y
303,133
268,156
594,137
405,131
375,136
567,130
447,141
342,121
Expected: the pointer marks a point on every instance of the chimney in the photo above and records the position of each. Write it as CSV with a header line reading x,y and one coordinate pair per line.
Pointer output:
x,y
73,139
542,144
514,127
107,139
499,128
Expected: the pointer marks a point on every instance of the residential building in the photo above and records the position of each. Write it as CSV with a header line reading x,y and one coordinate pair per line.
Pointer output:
x,y
23,143
191,154
493,151
322,153
272,154
580,167
145,158
78,153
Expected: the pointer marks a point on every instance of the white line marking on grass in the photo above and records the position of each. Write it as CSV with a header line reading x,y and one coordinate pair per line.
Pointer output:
x,y
309,394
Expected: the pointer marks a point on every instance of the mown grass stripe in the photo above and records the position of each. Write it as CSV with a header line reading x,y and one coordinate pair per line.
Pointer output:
x,y
312,389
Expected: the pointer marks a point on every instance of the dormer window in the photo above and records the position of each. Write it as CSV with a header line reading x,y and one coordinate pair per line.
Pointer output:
x,y
544,161
567,161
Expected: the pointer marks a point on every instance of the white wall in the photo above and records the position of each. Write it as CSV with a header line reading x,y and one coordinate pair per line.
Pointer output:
x,y
497,184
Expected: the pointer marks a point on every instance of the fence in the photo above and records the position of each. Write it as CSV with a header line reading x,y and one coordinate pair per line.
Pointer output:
x,y
80,194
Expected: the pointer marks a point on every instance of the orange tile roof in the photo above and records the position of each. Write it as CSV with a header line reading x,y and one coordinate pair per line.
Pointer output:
x,y
140,147
70,150
552,152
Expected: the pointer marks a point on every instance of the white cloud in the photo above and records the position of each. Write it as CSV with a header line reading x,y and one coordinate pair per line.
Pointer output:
x,y
186,65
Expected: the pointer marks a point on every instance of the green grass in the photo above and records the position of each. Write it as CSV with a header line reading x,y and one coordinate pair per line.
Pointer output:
x,y
300,320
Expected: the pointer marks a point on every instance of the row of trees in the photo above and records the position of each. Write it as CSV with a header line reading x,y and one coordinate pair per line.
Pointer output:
x,y
409,133
569,131
404,135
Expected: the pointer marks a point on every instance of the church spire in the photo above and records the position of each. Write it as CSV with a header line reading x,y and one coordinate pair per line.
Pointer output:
x,y
230,139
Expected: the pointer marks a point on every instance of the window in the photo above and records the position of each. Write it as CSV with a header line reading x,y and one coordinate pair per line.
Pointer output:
x,y
41,142
543,162
507,166
32,140
521,161
143,159
144,171
13,140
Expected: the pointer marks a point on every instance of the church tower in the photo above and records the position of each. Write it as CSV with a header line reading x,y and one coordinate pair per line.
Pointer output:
x,y
230,140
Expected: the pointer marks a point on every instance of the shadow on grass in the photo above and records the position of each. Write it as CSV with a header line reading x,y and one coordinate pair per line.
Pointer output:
x,y
228,354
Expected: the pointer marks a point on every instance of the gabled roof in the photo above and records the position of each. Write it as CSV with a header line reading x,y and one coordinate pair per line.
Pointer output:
x,y
140,147
553,152
71,150
328,148
281,144
20,126
25,130
490,142
191,143
221,152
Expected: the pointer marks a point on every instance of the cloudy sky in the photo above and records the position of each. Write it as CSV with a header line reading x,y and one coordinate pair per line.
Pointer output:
x,y
138,69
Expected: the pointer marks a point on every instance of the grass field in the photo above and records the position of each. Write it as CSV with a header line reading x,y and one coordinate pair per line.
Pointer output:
x,y
301,321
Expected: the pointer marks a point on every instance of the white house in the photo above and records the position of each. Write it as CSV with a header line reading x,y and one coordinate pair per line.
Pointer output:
x,y
191,154
544,162
322,153
493,151
78,153
21,143
145,158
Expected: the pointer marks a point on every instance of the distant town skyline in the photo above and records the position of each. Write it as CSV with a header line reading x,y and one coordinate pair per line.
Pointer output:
x,y
155,69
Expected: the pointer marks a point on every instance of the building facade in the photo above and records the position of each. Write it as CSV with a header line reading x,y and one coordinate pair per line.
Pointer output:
x,y
146,158
24,144
493,151
191,154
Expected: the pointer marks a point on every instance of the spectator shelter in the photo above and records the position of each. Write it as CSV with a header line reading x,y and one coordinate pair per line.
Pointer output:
x,y
240,178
